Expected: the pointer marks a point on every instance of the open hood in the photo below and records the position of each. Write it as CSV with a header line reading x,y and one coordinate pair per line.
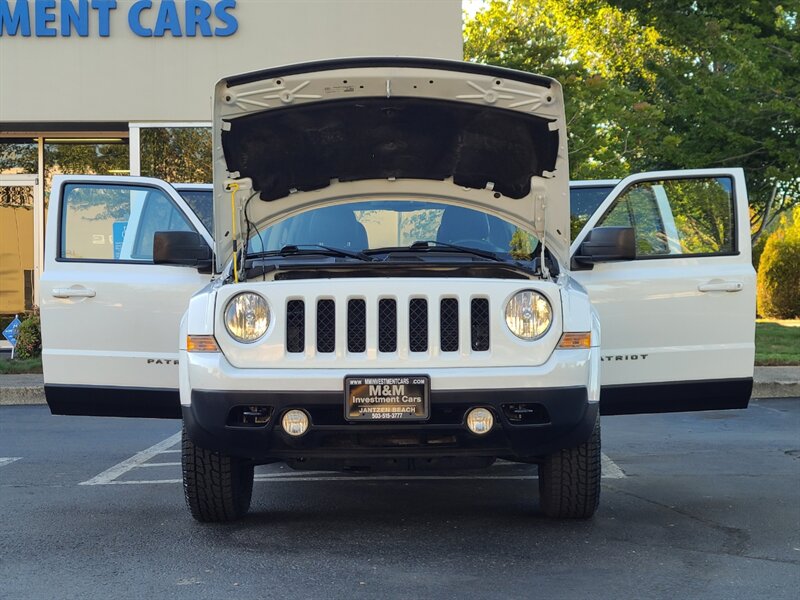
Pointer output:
x,y
291,138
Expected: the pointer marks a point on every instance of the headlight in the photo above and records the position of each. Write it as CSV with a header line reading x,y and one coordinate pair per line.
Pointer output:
x,y
247,317
528,315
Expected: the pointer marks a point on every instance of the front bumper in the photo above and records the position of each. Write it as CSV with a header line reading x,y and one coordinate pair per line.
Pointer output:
x,y
558,418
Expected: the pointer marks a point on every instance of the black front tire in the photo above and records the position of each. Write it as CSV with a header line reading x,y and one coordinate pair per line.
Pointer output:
x,y
569,480
217,487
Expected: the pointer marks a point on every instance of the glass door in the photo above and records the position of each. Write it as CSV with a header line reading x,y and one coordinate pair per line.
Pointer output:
x,y
20,243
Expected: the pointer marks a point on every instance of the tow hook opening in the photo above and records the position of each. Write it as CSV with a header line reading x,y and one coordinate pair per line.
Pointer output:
x,y
529,413
249,416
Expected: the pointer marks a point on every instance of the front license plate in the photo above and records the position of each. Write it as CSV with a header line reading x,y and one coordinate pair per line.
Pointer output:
x,y
370,398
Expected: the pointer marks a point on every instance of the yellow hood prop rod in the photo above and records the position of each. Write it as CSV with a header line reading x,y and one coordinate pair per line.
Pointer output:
x,y
234,187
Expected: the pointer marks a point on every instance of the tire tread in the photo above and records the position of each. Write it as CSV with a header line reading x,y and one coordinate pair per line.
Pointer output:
x,y
569,480
217,487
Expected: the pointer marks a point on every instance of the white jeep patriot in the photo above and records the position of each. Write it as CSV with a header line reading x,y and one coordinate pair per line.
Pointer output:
x,y
390,284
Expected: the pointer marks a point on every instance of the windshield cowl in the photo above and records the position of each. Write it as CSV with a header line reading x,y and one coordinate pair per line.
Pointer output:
x,y
411,267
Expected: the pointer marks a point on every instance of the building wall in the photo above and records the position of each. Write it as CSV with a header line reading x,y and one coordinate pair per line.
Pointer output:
x,y
125,77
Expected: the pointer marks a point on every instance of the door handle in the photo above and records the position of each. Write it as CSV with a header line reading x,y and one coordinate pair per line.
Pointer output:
x,y
74,292
717,285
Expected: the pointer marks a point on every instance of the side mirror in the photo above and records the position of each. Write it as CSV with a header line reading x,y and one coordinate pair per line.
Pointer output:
x,y
186,248
607,244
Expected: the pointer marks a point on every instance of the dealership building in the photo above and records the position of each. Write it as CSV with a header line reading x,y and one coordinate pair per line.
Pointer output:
x,y
124,87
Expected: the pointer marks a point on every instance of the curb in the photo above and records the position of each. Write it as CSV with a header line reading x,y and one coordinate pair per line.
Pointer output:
x,y
776,389
33,395
21,396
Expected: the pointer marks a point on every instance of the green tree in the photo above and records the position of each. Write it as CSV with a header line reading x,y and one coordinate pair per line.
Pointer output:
x,y
732,92
664,84
609,125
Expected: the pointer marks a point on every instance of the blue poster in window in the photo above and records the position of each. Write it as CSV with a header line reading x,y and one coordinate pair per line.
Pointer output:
x,y
118,230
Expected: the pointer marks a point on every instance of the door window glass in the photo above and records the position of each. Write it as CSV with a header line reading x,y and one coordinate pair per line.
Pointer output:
x,y
158,214
115,222
202,203
677,216
583,203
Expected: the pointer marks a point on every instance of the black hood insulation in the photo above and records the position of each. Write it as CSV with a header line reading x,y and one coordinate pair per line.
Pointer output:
x,y
306,146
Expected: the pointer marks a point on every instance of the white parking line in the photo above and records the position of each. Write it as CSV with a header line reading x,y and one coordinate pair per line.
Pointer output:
x,y
134,461
610,469
137,482
8,460
111,476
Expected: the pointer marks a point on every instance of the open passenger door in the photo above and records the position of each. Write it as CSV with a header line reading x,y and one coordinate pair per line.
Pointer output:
x,y
110,315
677,321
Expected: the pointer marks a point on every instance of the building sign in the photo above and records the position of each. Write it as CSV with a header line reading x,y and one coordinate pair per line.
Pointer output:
x,y
122,61
90,18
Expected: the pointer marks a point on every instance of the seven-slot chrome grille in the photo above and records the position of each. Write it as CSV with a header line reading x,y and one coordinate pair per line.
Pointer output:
x,y
421,316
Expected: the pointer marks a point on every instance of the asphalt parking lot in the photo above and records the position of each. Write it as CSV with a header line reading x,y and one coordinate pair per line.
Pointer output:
x,y
703,505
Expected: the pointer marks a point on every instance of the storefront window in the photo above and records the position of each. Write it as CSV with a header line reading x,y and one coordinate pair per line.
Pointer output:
x,y
84,157
18,156
176,154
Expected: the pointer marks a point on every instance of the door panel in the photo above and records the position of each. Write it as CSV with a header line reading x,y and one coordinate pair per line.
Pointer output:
x,y
110,317
678,323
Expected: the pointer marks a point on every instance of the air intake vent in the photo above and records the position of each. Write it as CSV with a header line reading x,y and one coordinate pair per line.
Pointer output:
x,y
418,325
387,325
356,326
326,326
480,324
448,324
295,326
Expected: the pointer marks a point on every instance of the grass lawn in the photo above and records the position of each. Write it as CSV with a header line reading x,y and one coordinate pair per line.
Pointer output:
x,y
777,342
15,367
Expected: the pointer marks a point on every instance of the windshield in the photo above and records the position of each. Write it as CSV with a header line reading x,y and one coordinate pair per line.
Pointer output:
x,y
369,225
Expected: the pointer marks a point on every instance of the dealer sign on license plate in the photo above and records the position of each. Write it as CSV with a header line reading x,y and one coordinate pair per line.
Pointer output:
x,y
373,398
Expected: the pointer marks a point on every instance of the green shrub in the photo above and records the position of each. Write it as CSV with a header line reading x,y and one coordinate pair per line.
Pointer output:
x,y
779,274
29,338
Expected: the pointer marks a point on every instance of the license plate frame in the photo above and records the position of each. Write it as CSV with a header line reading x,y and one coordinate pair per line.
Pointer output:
x,y
365,400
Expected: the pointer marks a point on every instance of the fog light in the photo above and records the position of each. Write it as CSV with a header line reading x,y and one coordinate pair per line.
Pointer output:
x,y
480,420
295,422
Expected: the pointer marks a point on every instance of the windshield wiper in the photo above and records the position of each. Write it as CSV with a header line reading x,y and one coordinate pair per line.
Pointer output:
x,y
300,249
431,245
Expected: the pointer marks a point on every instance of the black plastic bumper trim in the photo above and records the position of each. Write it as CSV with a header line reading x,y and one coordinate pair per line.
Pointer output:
x,y
675,396
98,401
665,397
570,423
